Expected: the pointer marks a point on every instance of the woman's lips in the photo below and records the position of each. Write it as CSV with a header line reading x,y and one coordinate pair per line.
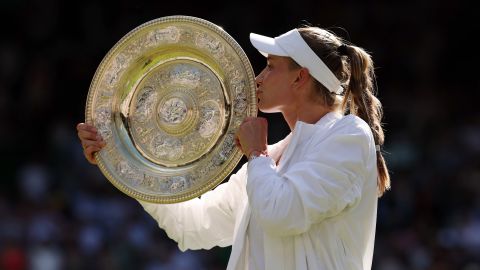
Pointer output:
x,y
258,96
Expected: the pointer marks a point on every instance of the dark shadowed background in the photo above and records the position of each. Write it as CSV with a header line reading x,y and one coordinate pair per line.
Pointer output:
x,y
59,212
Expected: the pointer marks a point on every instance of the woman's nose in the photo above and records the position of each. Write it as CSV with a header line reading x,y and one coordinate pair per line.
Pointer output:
x,y
259,78
257,82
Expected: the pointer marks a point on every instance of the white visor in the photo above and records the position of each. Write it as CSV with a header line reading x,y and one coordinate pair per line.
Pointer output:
x,y
292,44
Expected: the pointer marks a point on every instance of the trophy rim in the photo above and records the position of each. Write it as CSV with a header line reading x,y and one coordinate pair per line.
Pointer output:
x,y
236,156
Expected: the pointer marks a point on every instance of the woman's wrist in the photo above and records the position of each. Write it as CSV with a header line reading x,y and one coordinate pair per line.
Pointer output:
x,y
257,153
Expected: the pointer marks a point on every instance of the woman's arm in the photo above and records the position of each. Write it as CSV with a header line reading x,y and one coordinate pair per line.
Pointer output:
x,y
205,222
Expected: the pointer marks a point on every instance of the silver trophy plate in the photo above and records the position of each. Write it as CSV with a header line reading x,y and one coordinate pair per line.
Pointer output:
x,y
168,99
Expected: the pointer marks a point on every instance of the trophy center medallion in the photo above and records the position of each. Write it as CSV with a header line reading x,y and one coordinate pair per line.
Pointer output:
x,y
173,111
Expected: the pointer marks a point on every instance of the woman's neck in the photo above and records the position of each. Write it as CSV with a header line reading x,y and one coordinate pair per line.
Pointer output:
x,y
308,113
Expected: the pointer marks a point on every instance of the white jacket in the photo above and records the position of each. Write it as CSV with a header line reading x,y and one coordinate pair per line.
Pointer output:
x,y
317,208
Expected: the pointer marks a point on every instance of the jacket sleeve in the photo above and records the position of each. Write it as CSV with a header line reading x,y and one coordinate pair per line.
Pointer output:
x,y
325,180
205,222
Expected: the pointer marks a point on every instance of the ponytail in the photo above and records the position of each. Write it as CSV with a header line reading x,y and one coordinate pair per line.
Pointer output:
x,y
360,100
354,68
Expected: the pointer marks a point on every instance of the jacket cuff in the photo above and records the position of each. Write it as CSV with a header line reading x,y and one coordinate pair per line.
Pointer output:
x,y
259,167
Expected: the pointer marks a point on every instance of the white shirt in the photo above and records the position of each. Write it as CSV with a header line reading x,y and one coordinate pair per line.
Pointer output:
x,y
316,210
254,246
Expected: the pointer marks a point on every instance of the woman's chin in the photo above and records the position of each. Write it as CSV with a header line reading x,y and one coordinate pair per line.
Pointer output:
x,y
267,110
261,108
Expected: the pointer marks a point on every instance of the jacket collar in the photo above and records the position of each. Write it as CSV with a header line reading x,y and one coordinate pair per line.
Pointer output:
x,y
303,131
326,122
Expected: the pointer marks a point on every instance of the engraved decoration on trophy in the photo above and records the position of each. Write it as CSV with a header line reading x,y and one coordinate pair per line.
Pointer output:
x,y
168,99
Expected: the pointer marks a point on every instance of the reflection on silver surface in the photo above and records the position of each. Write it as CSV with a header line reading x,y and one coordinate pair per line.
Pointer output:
x,y
168,99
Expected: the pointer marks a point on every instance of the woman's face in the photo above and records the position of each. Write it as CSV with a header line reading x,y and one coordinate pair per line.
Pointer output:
x,y
274,85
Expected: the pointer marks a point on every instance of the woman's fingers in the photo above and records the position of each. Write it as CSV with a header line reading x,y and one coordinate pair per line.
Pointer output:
x,y
86,131
252,135
90,151
91,141
237,143
86,143
87,127
88,135
249,119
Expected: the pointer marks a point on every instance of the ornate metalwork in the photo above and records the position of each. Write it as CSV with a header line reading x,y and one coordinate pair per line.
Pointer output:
x,y
168,99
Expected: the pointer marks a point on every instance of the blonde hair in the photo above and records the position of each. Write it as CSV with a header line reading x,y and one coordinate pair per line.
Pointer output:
x,y
353,66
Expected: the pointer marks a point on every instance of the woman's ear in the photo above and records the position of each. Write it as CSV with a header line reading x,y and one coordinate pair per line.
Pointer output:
x,y
302,77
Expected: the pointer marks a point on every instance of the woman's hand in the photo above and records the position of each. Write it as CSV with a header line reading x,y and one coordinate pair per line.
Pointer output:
x,y
91,141
252,135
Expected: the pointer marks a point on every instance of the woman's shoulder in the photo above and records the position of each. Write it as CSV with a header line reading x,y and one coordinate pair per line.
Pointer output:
x,y
348,126
351,124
